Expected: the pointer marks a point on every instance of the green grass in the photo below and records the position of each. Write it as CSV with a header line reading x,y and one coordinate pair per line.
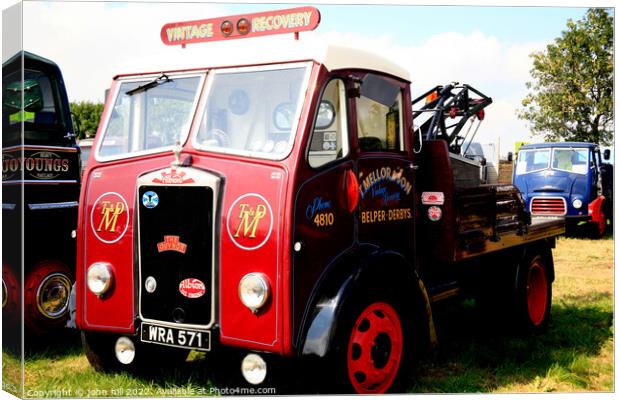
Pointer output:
x,y
474,355
574,354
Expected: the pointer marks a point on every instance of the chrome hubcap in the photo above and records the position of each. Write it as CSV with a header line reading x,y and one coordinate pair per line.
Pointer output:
x,y
53,295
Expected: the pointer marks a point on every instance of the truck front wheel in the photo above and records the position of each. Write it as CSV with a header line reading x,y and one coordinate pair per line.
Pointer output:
x,y
99,351
534,294
598,227
372,346
46,296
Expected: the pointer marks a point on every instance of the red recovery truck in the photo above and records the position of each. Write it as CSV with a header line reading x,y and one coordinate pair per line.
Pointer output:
x,y
289,207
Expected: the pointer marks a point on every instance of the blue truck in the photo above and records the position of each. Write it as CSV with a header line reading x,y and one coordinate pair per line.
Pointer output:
x,y
569,180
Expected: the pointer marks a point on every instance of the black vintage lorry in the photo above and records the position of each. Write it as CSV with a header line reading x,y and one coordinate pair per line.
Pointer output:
x,y
40,188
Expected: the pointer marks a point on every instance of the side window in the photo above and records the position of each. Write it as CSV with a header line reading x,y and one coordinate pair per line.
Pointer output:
x,y
379,115
329,140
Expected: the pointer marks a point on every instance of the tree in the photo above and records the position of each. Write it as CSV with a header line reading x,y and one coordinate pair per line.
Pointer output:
x,y
571,96
87,115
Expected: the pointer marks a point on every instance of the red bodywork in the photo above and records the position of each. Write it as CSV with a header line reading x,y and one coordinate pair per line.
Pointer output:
x,y
595,210
255,181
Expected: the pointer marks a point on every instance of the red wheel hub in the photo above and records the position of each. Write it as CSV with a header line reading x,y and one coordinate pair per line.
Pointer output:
x,y
375,349
536,293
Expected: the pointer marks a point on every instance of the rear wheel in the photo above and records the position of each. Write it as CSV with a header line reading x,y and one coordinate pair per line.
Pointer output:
x,y
534,294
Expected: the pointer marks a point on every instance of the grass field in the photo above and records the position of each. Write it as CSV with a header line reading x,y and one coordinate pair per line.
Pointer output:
x,y
575,354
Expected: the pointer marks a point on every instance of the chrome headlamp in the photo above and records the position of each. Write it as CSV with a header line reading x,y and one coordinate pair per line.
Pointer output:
x,y
99,278
254,291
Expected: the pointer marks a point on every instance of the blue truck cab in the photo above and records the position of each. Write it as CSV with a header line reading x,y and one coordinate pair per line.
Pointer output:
x,y
565,179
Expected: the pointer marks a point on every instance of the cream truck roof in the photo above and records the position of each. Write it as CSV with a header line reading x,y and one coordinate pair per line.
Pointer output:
x,y
261,51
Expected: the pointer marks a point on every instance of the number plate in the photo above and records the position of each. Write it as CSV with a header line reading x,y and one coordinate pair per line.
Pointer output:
x,y
184,338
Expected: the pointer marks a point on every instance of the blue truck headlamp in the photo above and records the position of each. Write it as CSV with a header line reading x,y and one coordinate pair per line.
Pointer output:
x,y
577,203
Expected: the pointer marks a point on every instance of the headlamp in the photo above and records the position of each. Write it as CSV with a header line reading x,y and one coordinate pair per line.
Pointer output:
x,y
99,278
254,291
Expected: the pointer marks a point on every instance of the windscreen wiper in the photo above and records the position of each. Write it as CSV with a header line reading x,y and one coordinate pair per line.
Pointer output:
x,y
154,83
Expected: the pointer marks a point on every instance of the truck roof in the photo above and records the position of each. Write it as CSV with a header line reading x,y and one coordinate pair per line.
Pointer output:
x,y
255,52
30,60
547,145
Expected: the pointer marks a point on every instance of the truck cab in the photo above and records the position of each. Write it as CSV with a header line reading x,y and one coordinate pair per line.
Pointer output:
x,y
280,205
567,179
41,183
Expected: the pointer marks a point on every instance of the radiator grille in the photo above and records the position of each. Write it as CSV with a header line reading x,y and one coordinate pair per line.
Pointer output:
x,y
184,215
548,206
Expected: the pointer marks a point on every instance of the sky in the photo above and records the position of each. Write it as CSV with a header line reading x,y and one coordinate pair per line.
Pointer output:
x,y
486,47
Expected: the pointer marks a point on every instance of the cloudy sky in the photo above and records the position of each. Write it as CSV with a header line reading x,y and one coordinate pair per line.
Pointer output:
x,y
487,47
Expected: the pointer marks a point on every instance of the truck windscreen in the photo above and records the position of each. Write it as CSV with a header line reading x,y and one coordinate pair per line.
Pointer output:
x,y
150,118
253,112
42,114
573,160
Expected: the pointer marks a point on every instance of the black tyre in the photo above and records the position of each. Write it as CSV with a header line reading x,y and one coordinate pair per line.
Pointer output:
x,y
372,348
100,352
533,294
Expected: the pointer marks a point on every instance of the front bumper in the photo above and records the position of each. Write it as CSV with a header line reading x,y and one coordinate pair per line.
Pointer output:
x,y
578,218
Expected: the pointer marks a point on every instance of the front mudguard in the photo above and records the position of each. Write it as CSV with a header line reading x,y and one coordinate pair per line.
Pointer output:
x,y
327,311
595,210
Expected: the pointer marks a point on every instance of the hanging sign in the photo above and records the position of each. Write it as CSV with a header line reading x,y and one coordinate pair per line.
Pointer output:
x,y
275,22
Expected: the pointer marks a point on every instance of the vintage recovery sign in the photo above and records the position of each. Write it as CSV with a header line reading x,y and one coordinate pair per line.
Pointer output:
x,y
433,198
240,26
250,221
192,288
109,217
434,213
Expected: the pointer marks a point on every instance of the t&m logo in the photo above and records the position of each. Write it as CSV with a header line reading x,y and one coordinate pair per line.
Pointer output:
x,y
250,221
109,217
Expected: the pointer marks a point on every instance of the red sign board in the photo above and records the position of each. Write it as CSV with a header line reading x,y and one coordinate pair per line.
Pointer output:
x,y
240,26
433,198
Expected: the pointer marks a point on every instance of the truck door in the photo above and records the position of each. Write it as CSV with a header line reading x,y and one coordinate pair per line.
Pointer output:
x,y
385,169
323,220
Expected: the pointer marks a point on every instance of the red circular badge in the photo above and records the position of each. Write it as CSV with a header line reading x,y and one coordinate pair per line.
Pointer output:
x,y
249,221
434,213
109,217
